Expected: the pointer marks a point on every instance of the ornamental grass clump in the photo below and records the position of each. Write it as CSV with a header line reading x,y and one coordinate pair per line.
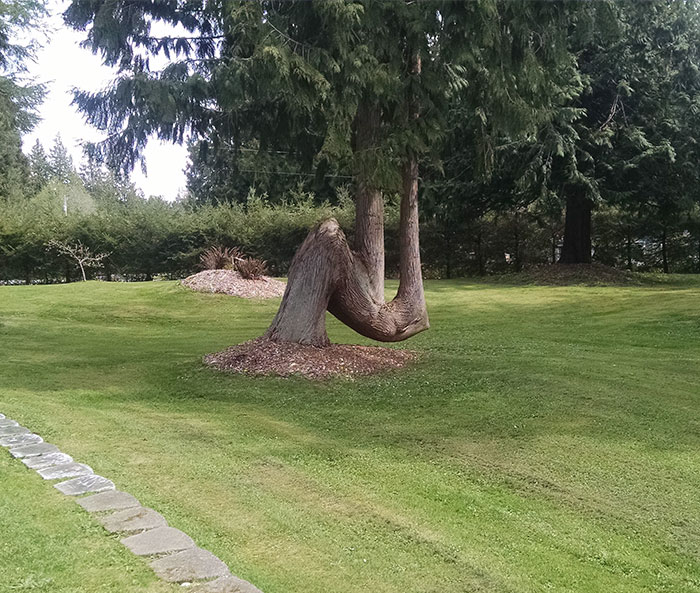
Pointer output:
x,y
251,268
220,258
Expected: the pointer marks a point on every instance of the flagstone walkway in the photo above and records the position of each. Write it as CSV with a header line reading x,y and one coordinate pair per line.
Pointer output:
x,y
173,555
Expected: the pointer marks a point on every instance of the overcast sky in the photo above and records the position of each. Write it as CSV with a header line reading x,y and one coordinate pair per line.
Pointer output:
x,y
62,64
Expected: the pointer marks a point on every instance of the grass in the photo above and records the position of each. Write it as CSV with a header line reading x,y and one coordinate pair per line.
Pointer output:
x,y
548,440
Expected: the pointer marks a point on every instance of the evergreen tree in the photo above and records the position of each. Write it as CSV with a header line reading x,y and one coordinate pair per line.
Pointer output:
x,y
18,95
362,81
61,165
39,167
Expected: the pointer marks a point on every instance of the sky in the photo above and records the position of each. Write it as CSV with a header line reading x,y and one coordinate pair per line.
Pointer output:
x,y
62,65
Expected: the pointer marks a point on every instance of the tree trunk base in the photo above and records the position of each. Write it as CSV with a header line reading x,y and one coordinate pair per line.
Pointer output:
x,y
326,275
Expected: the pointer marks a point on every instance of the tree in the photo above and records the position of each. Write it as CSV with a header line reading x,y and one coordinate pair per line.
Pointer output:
x,y
79,253
18,95
364,81
61,165
39,167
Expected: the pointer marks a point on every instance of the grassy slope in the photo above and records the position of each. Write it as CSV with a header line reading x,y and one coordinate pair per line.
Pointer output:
x,y
548,441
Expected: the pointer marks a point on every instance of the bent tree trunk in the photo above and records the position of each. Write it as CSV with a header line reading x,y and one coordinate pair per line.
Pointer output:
x,y
577,227
326,275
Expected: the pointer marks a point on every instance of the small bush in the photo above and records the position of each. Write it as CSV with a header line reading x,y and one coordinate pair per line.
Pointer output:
x,y
220,258
251,268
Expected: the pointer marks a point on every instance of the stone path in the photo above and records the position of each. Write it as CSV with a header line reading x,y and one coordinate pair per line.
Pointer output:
x,y
174,556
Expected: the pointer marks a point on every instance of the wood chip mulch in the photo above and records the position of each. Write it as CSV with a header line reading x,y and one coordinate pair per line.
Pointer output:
x,y
263,357
572,274
232,283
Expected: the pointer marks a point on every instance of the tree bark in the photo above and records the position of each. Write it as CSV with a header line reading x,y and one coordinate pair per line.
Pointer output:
x,y
629,250
577,227
664,251
326,275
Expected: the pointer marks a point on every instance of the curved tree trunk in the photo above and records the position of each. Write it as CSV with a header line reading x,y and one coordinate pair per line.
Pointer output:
x,y
327,275
577,227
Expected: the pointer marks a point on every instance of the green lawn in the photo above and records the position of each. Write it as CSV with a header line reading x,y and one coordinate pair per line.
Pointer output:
x,y
549,440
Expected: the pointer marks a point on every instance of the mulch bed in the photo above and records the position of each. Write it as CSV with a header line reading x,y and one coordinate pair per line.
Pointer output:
x,y
232,283
263,357
570,274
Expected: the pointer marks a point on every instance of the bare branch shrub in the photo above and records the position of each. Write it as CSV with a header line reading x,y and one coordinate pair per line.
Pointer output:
x,y
79,253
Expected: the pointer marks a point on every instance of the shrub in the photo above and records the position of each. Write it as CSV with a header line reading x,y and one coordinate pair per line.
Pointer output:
x,y
220,258
251,268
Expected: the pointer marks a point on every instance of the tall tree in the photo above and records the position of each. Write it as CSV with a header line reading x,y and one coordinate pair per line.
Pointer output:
x,y
19,95
359,80
39,167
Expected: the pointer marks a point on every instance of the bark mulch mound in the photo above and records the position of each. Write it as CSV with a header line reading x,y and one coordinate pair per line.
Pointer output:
x,y
571,274
263,357
231,282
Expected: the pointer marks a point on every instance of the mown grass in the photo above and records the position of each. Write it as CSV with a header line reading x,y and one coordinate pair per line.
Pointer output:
x,y
549,440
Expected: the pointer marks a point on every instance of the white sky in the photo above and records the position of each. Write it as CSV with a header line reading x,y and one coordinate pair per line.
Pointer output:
x,y
62,64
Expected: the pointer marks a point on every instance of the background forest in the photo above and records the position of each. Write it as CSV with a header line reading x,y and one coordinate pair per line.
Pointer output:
x,y
600,164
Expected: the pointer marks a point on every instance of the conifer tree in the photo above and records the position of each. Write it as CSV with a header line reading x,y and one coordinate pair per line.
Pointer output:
x,y
360,80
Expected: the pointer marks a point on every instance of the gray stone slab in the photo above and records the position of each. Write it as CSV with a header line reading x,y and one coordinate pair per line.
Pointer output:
x,y
162,540
32,450
65,470
227,584
47,460
84,485
190,565
20,439
131,520
8,422
111,500
8,431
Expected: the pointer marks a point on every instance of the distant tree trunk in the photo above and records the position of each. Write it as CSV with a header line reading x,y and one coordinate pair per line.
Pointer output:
x,y
518,254
327,275
629,250
577,226
554,248
448,254
68,277
664,250
698,266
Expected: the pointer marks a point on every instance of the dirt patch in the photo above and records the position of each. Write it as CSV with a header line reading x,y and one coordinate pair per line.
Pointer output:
x,y
263,357
231,282
566,274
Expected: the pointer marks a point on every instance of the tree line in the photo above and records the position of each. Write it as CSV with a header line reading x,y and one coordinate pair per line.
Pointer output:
x,y
544,132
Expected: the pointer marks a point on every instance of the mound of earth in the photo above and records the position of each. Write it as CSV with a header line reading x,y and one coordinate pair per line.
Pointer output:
x,y
231,282
565,274
263,357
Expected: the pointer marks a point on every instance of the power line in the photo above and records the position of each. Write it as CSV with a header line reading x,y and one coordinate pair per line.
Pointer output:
x,y
290,173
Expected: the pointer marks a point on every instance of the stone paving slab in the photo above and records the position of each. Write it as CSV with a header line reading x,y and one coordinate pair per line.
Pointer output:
x,y
46,460
227,584
161,540
84,485
8,431
20,439
33,450
111,500
180,560
190,565
130,520
65,470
